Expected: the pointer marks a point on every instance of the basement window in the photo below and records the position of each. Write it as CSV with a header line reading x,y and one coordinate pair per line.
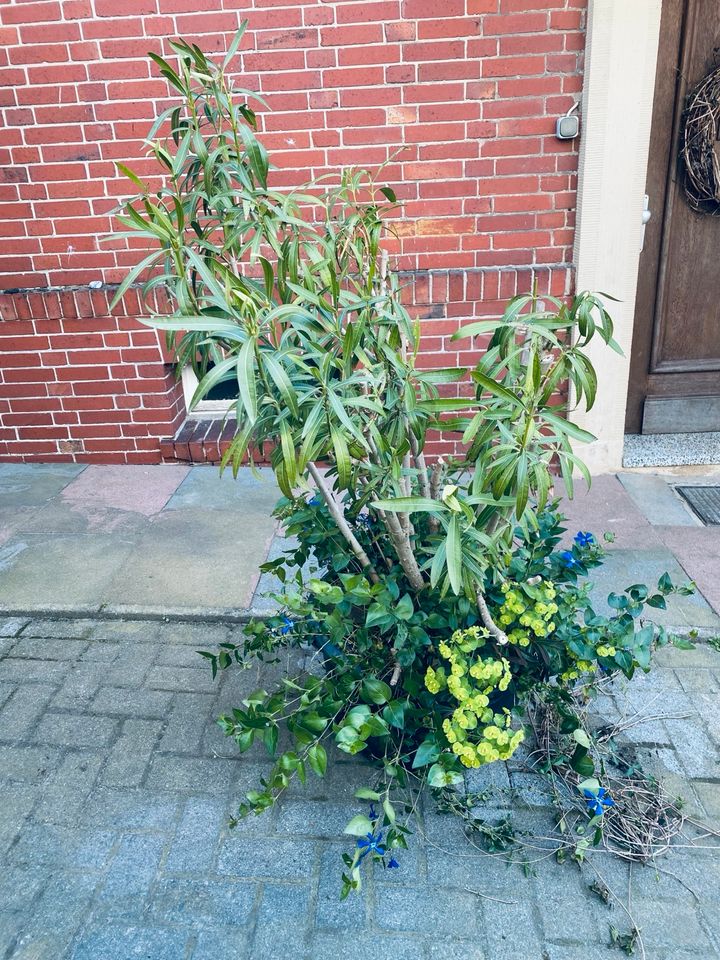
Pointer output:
x,y
216,405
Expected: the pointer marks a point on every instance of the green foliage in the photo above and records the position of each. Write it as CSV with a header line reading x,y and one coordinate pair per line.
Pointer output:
x,y
418,568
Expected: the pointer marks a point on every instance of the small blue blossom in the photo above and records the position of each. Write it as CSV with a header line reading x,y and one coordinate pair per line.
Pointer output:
x,y
568,559
373,812
287,627
584,539
598,800
314,501
364,520
371,844
392,863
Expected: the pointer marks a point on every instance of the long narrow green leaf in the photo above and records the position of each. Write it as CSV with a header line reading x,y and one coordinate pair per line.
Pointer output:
x,y
246,379
342,457
453,547
410,505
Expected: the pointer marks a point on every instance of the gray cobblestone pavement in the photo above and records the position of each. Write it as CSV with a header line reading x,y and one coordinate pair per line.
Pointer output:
x,y
116,786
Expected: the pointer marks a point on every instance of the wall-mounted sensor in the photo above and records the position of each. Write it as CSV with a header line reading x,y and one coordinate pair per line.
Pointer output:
x,y
568,126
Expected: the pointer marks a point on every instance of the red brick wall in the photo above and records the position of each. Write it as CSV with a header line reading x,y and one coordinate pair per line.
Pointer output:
x,y
469,88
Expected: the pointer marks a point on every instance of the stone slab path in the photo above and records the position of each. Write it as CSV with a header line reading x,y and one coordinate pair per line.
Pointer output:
x,y
116,786
169,540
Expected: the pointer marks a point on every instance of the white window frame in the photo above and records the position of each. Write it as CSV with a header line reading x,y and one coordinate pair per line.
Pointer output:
x,y
204,409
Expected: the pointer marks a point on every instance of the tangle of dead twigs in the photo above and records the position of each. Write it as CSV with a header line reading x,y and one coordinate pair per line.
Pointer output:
x,y
700,145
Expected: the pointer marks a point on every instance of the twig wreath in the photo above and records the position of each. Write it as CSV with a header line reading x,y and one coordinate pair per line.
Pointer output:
x,y
700,145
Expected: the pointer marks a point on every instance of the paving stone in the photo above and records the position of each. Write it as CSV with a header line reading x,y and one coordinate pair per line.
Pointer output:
x,y
697,752
21,712
186,722
365,946
181,655
27,763
70,628
709,794
20,884
270,859
315,818
131,703
474,869
120,941
12,626
510,930
66,790
131,665
36,648
202,903
491,780
6,691
16,802
52,846
330,911
132,873
532,789
230,943
68,730
673,926
194,845
201,636
183,679
80,685
456,950
56,915
283,922
131,809
131,753
190,775
573,919
33,671
426,910
124,631
104,651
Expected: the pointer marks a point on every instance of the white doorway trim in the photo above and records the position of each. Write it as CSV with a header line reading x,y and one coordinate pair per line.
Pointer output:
x,y
621,57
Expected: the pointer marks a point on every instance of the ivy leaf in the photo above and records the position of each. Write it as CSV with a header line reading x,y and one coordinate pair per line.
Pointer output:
x,y
427,752
364,793
394,714
317,758
359,826
375,691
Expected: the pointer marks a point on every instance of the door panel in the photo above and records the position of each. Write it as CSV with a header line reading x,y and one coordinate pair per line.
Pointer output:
x,y
676,341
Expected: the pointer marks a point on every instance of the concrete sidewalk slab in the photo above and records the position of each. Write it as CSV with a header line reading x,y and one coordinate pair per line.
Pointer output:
x,y
193,557
68,573
205,487
30,484
133,488
623,568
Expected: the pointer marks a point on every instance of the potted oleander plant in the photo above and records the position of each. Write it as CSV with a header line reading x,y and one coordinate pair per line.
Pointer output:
x,y
439,597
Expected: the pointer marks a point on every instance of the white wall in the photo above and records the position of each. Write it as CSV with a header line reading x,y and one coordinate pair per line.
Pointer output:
x,y
622,45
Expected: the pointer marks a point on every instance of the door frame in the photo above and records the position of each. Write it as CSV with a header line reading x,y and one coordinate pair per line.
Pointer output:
x,y
618,92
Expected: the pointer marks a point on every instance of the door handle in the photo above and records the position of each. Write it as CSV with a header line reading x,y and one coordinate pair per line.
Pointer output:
x,y
646,214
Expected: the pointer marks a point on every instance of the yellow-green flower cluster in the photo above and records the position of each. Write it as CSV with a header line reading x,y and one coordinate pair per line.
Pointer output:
x,y
523,617
587,666
475,732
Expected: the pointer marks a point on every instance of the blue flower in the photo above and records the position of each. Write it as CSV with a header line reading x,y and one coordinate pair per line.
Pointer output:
x,y
373,812
364,520
568,559
371,844
393,864
314,501
288,625
598,800
584,539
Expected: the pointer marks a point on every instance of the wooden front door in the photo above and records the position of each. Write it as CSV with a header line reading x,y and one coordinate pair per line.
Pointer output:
x,y
675,361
